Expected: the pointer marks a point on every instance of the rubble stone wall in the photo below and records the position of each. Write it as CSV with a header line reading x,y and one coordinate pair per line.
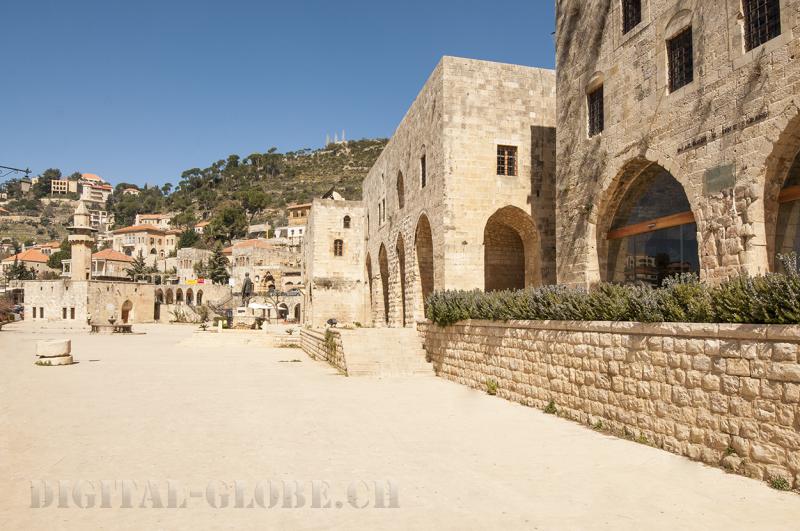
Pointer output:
x,y
727,395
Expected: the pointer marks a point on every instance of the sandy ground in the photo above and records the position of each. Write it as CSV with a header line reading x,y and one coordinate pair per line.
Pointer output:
x,y
196,408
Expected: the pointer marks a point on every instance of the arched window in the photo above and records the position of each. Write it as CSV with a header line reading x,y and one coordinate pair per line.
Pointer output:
x,y
653,234
346,222
787,228
338,247
199,297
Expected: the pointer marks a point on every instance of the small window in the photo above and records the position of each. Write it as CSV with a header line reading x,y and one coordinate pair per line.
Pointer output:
x,y
681,64
507,160
762,21
41,312
595,103
401,190
64,313
338,247
423,171
346,222
72,313
631,14
34,312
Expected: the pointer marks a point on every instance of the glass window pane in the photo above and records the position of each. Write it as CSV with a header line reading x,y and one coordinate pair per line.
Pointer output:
x,y
654,256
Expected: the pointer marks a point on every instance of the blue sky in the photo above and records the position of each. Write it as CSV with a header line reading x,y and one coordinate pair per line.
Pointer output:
x,y
140,91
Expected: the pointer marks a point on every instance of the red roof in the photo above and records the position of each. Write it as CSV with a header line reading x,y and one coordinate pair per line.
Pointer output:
x,y
110,254
139,228
256,242
31,255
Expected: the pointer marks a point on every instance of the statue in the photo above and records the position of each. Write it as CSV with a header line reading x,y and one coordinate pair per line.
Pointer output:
x,y
247,289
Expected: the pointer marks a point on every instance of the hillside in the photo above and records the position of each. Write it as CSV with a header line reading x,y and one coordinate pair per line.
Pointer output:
x,y
278,179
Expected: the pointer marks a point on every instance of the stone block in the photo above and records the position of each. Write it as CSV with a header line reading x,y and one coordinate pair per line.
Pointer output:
x,y
54,347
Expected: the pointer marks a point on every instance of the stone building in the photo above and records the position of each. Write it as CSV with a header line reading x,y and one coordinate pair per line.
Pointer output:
x,y
187,259
270,263
678,136
151,241
32,259
462,196
333,263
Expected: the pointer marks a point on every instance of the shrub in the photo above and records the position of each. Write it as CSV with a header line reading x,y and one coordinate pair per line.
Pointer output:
x,y
491,387
773,298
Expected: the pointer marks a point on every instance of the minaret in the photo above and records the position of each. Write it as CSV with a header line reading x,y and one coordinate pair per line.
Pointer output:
x,y
81,239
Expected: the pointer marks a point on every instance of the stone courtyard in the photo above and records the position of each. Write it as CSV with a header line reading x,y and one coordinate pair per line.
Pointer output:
x,y
194,407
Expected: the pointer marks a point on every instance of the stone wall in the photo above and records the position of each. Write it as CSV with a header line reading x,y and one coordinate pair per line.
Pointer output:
x,y
425,236
727,395
52,297
335,285
740,116
314,343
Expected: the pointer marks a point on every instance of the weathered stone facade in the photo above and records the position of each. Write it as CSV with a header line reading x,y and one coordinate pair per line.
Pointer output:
x,y
333,262
727,395
437,208
728,136
78,300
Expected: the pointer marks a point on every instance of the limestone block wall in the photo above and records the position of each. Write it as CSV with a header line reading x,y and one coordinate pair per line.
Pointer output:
x,y
727,395
428,234
51,297
314,343
336,286
108,299
740,114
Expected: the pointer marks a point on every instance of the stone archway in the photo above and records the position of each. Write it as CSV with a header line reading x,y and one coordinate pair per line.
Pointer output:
x,y
127,312
400,250
199,300
645,229
511,252
383,264
160,296
296,312
190,297
170,298
423,249
179,296
782,194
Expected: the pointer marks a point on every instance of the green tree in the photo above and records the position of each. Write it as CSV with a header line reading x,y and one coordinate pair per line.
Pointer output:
x,y
188,238
139,268
18,271
228,222
64,253
185,219
42,187
254,202
217,268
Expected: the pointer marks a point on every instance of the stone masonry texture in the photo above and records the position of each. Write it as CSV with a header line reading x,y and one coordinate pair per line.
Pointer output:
x,y
726,395
741,111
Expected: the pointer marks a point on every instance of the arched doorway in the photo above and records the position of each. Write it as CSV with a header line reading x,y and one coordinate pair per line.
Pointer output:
x,y
199,297
179,296
160,296
170,299
511,251
423,247
782,195
400,249
383,264
297,313
127,312
190,297
283,310
648,232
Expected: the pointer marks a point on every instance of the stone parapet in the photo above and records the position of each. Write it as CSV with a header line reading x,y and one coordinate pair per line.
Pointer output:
x,y
324,345
724,394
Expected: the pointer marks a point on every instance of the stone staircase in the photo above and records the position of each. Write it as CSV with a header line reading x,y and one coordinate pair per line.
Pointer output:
x,y
384,352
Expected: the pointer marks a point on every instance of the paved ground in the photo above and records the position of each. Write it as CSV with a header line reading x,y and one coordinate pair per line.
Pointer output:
x,y
185,406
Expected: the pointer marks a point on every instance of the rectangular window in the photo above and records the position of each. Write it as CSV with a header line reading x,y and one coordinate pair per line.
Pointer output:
x,y
681,63
507,160
596,120
64,313
41,312
631,14
72,313
338,248
762,21
34,312
423,171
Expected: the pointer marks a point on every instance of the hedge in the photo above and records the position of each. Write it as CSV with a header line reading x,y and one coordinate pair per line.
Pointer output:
x,y
773,298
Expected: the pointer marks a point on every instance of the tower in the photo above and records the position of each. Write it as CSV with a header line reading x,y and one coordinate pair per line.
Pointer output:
x,y
81,239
